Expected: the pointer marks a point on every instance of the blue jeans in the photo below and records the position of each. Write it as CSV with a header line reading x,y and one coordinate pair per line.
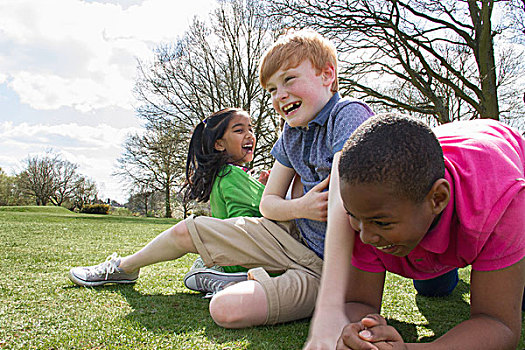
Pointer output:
x,y
438,287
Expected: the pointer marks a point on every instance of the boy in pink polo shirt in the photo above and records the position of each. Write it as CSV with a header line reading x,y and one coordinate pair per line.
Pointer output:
x,y
421,207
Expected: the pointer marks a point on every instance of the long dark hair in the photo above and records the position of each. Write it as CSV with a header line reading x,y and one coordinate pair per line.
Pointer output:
x,y
204,161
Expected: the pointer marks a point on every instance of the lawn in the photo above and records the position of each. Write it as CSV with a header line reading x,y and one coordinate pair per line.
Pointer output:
x,y
40,308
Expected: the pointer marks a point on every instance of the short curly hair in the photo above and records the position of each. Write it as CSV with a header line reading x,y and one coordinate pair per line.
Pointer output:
x,y
400,152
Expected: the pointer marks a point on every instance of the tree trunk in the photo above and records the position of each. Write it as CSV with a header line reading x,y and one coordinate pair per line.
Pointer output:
x,y
167,201
486,62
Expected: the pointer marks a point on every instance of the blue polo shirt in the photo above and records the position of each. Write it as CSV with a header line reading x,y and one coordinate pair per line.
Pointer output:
x,y
310,152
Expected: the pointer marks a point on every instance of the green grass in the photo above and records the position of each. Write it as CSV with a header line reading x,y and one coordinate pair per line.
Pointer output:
x,y
41,309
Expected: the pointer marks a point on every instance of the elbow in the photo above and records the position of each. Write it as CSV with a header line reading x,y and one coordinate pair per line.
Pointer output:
x,y
263,206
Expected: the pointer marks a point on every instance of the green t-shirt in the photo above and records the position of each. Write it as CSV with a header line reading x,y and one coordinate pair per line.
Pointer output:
x,y
235,193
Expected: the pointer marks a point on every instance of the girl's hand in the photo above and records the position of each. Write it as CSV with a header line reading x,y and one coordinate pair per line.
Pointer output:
x,y
315,202
263,176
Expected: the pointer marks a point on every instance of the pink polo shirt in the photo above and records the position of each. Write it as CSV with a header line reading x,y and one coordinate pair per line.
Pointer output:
x,y
484,223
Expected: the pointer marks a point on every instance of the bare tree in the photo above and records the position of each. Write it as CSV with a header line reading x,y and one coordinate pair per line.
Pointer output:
x,y
38,178
213,66
50,179
514,17
65,178
151,160
141,195
436,57
85,192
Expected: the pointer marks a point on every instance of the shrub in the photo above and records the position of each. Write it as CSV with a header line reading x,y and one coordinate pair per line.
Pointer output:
x,y
95,209
121,211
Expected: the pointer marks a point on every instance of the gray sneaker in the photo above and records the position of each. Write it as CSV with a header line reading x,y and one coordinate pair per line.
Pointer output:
x,y
199,264
211,281
97,275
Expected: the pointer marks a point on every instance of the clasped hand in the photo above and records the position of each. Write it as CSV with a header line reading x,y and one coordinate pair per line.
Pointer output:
x,y
371,333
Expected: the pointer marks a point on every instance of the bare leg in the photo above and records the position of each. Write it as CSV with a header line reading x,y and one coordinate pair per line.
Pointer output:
x,y
169,245
242,305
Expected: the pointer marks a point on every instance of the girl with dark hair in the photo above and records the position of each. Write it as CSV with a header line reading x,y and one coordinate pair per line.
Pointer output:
x,y
221,144
219,148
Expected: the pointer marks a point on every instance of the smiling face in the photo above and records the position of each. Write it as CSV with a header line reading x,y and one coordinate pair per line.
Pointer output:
x,y
392,224
238,140
300,93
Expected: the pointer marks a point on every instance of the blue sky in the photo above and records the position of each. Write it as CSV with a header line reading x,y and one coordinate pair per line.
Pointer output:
x,y
67,70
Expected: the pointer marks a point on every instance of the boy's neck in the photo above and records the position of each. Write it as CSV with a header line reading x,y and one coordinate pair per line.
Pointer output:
x,y
314,117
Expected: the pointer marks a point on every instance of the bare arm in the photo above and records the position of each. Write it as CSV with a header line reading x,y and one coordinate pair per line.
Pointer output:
x,y
495,313
329,317
313,205
494,323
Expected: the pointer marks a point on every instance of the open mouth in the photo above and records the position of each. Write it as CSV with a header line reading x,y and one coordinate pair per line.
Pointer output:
x,y
248,147
291,107
386,247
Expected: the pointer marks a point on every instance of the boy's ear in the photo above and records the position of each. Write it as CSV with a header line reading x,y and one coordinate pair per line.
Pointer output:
x,y
219,145
439,195
328,74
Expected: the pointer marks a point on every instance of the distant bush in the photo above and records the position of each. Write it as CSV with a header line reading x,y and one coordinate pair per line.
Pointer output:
x,y
121,211
96,209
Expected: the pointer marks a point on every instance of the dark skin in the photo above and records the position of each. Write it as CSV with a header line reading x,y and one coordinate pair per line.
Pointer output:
x,y
397,225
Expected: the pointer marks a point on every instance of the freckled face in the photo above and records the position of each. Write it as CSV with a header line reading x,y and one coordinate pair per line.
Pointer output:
x,y
238,140
393,225
300,93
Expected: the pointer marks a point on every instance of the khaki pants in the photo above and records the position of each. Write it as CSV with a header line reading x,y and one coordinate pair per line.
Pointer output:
x,y
263,246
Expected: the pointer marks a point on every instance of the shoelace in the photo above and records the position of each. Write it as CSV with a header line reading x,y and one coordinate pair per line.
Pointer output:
x,y
214,285
107,267
211,285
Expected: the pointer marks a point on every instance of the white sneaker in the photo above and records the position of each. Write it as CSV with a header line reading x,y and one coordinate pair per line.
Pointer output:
x,y
106,272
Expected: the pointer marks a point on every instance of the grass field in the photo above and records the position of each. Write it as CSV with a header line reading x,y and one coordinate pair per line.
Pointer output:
x,y
41,309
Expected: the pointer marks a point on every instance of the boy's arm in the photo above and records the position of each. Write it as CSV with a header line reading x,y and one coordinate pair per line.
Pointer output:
x,y
495,318
363,299
330,317
313,205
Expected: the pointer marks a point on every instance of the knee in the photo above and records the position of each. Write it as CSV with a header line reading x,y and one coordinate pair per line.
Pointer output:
x,y
225,312
181,236
241,305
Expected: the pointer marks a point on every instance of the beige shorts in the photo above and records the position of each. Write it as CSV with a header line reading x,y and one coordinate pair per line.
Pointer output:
x,y
263,246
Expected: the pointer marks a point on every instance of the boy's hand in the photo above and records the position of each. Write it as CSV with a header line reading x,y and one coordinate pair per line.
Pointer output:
x,y
371,333
315,202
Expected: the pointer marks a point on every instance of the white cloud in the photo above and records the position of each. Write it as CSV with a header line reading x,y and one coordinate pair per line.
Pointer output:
x,y
94,149
67,70
50,91
57,53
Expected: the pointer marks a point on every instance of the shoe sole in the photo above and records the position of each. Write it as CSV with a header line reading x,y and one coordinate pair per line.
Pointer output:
x,y
82,283
232,276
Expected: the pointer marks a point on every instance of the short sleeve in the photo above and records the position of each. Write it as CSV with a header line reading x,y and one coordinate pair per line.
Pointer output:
x,y
346,120
505,246
278,151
